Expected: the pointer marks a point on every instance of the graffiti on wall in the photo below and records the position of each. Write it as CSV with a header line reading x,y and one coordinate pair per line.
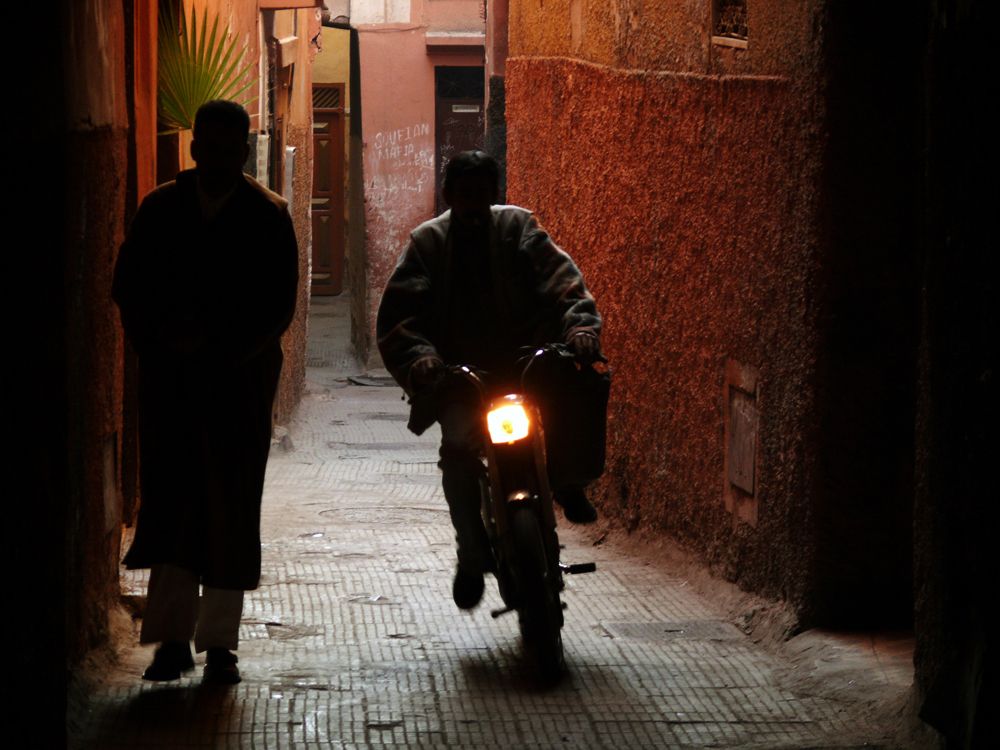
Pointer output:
x,y
402,163
399,195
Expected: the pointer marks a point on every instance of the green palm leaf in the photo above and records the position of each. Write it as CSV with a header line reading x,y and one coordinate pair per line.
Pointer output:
x,y
195,66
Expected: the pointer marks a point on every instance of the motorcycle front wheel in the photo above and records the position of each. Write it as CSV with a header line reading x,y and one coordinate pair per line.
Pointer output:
x,y
539,610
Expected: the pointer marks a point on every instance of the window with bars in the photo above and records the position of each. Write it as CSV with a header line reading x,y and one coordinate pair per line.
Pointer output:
x,y
730,19
326,97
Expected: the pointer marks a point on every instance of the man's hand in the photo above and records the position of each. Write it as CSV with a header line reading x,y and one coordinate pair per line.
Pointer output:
x,y
586,346
426,371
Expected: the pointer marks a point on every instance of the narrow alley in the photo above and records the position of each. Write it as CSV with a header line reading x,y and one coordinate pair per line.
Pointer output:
x,y
352,640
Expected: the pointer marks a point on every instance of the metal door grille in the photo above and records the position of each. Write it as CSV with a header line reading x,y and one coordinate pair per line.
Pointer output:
x,y
326,97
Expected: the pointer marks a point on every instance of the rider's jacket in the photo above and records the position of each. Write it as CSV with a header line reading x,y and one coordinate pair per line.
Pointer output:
x,y
481,306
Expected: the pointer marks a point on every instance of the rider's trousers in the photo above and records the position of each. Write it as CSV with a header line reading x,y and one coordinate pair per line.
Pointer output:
x,y
461,468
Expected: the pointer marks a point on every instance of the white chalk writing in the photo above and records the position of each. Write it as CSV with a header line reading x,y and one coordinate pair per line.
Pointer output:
x,y
400,163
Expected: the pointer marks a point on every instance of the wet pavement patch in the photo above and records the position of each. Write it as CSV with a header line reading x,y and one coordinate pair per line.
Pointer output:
x,y
381,416
386,515
376,381
373,446
702,630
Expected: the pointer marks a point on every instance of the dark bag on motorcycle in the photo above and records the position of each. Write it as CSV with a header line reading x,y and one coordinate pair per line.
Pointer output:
x,y
573,401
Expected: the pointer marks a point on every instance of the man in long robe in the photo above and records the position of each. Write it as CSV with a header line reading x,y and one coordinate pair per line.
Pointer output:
x,y
475,286
206,284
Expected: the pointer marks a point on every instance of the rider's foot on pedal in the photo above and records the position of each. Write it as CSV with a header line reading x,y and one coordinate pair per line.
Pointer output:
x,y
467,589
575,505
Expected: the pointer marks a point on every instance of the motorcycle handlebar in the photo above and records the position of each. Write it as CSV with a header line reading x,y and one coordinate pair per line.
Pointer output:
x,y
476,377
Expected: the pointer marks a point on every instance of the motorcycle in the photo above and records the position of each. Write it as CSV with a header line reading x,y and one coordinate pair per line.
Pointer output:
x,y
517,510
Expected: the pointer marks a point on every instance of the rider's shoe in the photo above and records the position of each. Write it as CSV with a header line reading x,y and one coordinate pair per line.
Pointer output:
x,y
575,505
467,588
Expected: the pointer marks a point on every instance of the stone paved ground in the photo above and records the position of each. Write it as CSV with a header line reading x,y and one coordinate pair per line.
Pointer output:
x,y
352,640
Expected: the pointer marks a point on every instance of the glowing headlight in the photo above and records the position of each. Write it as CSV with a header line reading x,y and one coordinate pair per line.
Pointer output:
x,y
507,423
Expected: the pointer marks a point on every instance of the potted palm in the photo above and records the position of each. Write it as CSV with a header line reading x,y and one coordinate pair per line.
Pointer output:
x,y
195,65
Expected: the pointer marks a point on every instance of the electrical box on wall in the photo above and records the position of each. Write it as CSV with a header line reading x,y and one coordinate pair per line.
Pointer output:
x,y
740,482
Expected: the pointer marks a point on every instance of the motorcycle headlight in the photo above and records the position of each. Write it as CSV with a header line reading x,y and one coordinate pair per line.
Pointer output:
x,y
507,423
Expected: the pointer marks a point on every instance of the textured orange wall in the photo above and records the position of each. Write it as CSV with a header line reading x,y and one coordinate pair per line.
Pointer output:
x,y
94,213
242,19
304,24
688,201
662,35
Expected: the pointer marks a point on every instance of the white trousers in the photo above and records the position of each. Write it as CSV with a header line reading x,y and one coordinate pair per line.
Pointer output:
x,y
174,613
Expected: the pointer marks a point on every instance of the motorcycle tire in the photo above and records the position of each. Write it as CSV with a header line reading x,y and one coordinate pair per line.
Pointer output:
x,y
540,611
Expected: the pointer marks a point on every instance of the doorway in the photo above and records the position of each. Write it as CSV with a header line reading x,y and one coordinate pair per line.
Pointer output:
x,y
459,117
328,189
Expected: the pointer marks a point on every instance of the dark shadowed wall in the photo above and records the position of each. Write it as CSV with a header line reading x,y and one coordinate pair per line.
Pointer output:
x,y
95,174
957,688
69,146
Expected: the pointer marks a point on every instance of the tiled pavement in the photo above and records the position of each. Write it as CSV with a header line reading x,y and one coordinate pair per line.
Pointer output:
x,y
352,640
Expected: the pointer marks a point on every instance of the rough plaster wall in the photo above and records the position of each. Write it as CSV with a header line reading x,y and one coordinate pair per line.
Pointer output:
x,y
663,35
293,342
333,61
95,341
688,202
496,131
398,124
454,16
305,24
794,204
94,44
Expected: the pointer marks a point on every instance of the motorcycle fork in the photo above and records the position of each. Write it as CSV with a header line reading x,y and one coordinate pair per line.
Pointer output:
x,y
517,476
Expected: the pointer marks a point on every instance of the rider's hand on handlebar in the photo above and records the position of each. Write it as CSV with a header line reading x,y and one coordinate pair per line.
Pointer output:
x,y
586,346
427,371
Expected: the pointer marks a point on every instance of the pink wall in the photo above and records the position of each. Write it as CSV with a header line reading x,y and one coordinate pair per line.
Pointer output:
x,y
398,127
397,95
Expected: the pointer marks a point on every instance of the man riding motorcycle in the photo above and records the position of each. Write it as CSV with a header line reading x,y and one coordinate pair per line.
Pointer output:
x,y
477,286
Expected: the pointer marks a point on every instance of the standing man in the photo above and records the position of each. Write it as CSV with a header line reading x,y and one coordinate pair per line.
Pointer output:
x,y
474,287
206,284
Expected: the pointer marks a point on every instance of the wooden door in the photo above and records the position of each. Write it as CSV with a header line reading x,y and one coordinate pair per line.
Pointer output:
x,y
459,117
328,189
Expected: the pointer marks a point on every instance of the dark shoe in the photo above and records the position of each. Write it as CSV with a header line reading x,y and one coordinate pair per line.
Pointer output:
x,y
468,587
575,505
171,660
220,667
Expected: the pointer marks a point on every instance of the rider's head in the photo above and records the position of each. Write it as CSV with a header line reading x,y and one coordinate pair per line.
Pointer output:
x,y
470,188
